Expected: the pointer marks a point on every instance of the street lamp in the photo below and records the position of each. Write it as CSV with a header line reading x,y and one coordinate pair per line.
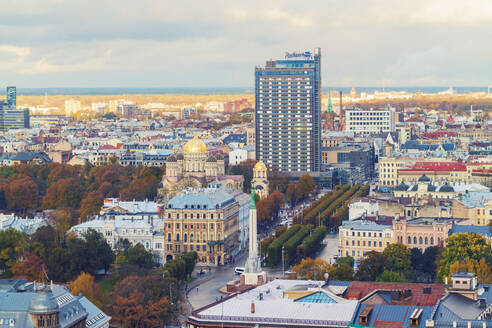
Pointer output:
x,y
283,262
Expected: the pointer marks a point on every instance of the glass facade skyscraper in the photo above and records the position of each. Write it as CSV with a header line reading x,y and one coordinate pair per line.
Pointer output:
x,y
288,112
12,97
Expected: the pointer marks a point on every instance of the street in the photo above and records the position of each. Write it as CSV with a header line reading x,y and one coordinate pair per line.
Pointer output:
x,y
330,249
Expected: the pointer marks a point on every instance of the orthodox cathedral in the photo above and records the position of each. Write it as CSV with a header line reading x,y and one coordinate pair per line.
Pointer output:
x,y
195,168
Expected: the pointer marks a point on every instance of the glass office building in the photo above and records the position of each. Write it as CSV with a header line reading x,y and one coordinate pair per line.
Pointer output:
x,y
287,112
11,97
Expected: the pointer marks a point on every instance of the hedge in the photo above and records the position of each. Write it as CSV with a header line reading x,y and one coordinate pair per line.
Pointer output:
x,y
290,245
311,244
275,248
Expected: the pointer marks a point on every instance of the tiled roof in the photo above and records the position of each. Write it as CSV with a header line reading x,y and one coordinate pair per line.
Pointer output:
x,y
435,167
360,289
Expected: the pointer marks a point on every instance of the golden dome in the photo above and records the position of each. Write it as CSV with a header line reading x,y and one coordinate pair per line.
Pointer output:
x,y
260,166
195,145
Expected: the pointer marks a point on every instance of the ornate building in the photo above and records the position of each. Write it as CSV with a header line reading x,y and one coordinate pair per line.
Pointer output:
x,y
260,179
204,221
195,168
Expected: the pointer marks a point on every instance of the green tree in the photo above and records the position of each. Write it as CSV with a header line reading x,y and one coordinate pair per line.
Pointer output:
x,y
390,276
141,257
398,258
371,267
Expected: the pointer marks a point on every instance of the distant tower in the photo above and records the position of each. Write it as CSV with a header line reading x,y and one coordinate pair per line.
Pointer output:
x,y
11,97
253,274
330,115
342,113
260,179
353,93
46,97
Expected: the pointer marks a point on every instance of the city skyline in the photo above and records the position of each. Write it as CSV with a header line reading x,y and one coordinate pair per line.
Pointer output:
x,y
165,44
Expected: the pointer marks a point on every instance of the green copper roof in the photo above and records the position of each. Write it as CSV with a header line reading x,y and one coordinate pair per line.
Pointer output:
x,y
253,204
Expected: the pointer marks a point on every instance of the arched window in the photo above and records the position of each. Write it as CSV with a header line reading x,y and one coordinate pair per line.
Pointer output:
x,y
197,237
177,237
426,240
168,237
420,240
185,237
432,240
191,237
204,237
415,240
409,240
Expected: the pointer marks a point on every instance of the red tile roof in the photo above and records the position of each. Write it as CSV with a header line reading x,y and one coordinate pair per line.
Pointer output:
x,y
439,134
435,167
360,289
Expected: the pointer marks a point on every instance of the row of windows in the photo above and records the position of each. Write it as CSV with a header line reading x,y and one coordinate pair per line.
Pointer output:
x,y
185,237
192,215
363,234
419,241
370,243
197,225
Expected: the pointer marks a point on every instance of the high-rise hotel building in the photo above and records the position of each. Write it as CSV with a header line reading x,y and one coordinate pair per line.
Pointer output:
x,y
287,112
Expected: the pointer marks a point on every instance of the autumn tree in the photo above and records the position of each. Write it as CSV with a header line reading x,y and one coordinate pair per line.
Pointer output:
x,y
311,269
291,194
22,194
30,268
480,268
144,301
305,186
85,284
10,250
467,246
91,204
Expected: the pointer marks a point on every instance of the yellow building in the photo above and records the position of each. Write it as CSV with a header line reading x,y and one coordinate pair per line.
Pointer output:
x,y
204,221
388,169
356,238
479,206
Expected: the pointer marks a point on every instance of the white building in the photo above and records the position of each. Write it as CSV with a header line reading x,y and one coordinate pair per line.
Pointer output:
x,y
147,231
72,106
26,225
99,107
363,207
237,156
370,120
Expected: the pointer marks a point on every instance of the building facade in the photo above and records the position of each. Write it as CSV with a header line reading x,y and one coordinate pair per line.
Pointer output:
x,y
422,232
288,112
370,121
204,221
356,238
260,179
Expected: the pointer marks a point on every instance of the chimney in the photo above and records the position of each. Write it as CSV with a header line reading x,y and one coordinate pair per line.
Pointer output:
x,y
415,317
252,307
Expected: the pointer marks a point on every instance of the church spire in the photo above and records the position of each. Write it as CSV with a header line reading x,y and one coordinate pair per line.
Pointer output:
x,y
329,107
253,203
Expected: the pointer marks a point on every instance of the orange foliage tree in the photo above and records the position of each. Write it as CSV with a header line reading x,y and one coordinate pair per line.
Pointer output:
x,y
84,284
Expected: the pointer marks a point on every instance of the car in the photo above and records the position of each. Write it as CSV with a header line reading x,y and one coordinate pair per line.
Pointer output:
x,y
239,270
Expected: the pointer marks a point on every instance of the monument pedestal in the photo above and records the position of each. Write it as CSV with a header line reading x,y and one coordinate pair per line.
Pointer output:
x,y
253,278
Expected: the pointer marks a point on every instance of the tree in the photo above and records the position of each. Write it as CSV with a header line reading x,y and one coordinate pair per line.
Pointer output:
x,y
10,250
371,267
398,258
85,285
390,276
91,204
22,193
63,193
467,246
313,269
31,268
343,269
141,257
245,169
290,194
481,269
305,186
144,301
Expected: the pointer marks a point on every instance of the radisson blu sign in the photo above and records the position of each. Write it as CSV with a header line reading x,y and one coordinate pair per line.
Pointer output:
x,y
305,54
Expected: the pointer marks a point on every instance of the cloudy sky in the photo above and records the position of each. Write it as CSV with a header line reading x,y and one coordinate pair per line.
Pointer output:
x,y
212,43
